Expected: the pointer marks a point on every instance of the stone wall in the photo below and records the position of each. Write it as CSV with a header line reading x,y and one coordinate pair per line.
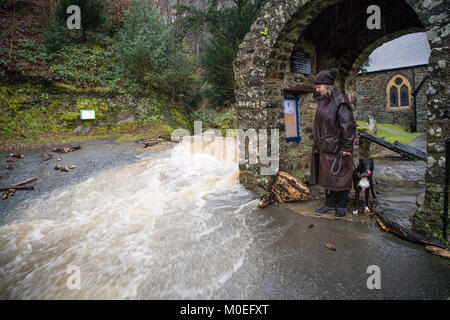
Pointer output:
x,y
338,37
372,97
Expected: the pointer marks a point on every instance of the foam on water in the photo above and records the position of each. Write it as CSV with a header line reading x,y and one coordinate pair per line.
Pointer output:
x,y
171,226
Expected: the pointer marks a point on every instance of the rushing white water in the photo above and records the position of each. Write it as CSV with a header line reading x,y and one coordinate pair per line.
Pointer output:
x,y
171,226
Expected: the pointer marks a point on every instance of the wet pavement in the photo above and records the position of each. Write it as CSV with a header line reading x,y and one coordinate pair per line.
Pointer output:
x,y
299,266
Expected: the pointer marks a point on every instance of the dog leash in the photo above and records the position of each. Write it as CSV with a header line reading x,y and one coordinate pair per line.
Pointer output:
x,y
339,156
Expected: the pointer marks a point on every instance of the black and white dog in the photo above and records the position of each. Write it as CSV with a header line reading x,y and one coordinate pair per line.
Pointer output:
x,y
362,181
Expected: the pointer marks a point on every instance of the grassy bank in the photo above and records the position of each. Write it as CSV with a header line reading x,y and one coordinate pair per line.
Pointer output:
x,y
392,132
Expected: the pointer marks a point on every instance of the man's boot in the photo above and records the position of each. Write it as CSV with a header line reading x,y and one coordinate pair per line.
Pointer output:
x,y
330,203
341,201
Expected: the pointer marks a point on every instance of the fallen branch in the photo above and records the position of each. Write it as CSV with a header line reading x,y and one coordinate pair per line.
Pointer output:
x,y
64,169
159,138
8,194
389,226
24,182
17,188
16,155
438,251
66,149
152,142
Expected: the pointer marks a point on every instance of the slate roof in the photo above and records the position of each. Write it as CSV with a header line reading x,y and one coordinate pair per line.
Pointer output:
x,y
406,51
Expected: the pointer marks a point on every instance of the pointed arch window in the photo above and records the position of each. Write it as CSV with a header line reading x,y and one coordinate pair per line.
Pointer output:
x,y
404,96
394,96
398,92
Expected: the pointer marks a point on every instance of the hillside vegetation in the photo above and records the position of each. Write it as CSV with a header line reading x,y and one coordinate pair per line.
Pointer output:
x,y
131,67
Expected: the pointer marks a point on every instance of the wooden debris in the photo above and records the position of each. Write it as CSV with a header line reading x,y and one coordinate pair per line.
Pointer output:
x,y
16,155
285,188
64,169
10,167
21,183
17,188
389,226
66,149
438,251
47,156
152,142
8,193
310,226
266,199
330,246
59,159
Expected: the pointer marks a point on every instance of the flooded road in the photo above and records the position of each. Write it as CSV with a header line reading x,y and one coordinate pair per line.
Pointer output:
x,y
151,229
176,224
401,184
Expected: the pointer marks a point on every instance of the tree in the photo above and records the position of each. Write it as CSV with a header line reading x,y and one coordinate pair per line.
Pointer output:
x,y
227,24
13,24
93,13
149,54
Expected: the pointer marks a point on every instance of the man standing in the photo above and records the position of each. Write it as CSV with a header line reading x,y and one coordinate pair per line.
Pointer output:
x,y
334,133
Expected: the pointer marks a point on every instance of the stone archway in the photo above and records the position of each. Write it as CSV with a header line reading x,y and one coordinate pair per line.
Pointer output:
x,y
334,34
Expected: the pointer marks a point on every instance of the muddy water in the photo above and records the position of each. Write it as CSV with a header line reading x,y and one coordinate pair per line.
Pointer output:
x,y
172,225
400,184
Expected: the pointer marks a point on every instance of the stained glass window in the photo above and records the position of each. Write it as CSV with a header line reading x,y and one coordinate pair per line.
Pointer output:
x,y
398,92
394,97
404,96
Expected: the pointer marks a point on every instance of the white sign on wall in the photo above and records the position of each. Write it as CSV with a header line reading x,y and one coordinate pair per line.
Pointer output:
x,y
288,106
87,114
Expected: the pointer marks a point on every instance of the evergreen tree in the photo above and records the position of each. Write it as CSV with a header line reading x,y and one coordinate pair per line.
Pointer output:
x,y
93,13
148,53
227,25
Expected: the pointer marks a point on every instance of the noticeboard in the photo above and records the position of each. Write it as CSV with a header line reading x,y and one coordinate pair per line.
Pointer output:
x,y
300,62
291,119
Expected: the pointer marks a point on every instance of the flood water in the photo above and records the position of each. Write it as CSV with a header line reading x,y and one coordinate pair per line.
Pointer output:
x,y
400,183
178,225
150,229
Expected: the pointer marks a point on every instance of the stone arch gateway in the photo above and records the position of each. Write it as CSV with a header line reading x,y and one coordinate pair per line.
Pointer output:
x,y
334,33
